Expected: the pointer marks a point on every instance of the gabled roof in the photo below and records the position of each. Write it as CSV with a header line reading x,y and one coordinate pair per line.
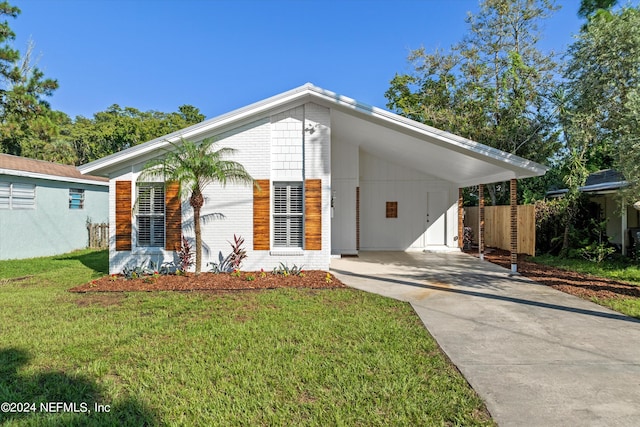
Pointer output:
x,y
31,168
385,134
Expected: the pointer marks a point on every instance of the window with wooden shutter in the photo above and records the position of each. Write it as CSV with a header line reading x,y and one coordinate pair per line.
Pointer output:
x,y
150,215
288,211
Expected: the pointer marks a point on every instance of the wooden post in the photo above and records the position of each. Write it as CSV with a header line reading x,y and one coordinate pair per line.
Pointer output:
x,y
514,225
481,220
460,218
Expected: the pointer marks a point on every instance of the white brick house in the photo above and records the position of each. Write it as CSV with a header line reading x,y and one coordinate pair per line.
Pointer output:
x,y
336,177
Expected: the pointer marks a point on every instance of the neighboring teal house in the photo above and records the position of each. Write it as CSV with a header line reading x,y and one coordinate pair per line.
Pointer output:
x,y
45,207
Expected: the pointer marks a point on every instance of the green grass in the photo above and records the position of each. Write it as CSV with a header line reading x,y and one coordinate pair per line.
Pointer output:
x,y
282,357
617,269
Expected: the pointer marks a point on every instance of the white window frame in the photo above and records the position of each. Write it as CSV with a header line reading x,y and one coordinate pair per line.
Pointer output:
x,y
17,196
290,213
76,191
154,212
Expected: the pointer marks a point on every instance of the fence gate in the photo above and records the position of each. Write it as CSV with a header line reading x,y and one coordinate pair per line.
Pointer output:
x,y
98,236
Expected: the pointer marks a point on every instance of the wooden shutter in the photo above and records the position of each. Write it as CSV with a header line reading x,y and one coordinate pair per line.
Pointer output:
x,y
123,215
261,215
173,217
313,214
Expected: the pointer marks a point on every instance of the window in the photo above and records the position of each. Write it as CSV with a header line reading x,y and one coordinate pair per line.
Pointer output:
x,y
150,217
76,198
288,205
17,196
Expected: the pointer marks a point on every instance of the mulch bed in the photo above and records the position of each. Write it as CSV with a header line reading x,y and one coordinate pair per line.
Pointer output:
x,y
579,284
313,279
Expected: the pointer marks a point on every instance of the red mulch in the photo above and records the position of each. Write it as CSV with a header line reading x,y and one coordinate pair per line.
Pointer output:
x,y
313,279
579,284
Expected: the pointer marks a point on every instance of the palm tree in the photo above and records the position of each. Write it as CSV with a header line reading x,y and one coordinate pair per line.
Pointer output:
x,y
194,166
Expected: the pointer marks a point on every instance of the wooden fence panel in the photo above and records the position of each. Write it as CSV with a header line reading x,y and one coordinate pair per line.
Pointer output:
x,y
98,236
497,224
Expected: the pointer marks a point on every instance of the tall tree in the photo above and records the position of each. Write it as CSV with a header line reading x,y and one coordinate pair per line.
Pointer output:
x,y
194,166
25,115
603,86
493,87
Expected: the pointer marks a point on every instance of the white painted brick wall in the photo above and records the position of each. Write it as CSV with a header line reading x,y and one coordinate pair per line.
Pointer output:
x,y
271,148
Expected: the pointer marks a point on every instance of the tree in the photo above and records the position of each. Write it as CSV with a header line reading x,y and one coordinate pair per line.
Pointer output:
x,y
118,128
194,166
494,87
603,84
589,8
25,116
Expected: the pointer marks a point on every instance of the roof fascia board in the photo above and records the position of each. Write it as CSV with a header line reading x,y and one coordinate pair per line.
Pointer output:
x,y
25,174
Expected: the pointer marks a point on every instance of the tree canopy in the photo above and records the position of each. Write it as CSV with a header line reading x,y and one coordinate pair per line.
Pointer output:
x,y
493,87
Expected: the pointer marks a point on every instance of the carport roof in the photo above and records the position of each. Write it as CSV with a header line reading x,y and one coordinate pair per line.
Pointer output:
x,y
403,141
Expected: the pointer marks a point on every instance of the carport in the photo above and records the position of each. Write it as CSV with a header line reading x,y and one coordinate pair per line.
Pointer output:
x,y
397,184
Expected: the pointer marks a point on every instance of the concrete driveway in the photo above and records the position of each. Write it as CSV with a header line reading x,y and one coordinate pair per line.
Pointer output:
x,y
537,356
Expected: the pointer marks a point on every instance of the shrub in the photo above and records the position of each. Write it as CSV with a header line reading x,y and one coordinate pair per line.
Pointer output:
x,y
285,270
185,254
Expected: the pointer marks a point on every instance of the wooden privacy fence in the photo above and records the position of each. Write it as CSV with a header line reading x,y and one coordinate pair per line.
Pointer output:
x,y
98,236
497,227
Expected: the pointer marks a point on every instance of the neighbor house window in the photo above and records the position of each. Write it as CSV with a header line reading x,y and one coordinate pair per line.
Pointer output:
x,y
76,198
150,216
288,205
17,196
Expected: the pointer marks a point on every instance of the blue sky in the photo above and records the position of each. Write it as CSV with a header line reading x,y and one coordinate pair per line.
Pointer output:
x,y
219,55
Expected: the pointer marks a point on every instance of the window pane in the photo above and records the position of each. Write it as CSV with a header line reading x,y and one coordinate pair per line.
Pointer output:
x,y
158,231
144,231
144,200
158,200
5,191
23,196
280,231
76,198
295,231
295,199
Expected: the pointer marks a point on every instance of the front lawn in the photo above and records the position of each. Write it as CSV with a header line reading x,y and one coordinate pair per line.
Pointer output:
x,y
604,279
277,357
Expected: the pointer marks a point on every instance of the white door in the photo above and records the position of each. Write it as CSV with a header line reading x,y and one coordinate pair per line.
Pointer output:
x,y
436,218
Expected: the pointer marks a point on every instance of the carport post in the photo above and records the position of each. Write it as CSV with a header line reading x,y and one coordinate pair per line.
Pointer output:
x,y
514,224
481,220
460,218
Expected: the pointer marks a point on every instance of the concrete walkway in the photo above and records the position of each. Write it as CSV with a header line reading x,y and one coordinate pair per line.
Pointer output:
x,y
537,356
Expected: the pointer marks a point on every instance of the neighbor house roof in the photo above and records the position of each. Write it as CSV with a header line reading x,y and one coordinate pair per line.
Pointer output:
x,y
380,132
31,168
604,181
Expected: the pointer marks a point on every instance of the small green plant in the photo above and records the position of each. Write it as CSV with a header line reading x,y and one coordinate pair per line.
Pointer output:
x,y
596,252
249,277
236,273
285,270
